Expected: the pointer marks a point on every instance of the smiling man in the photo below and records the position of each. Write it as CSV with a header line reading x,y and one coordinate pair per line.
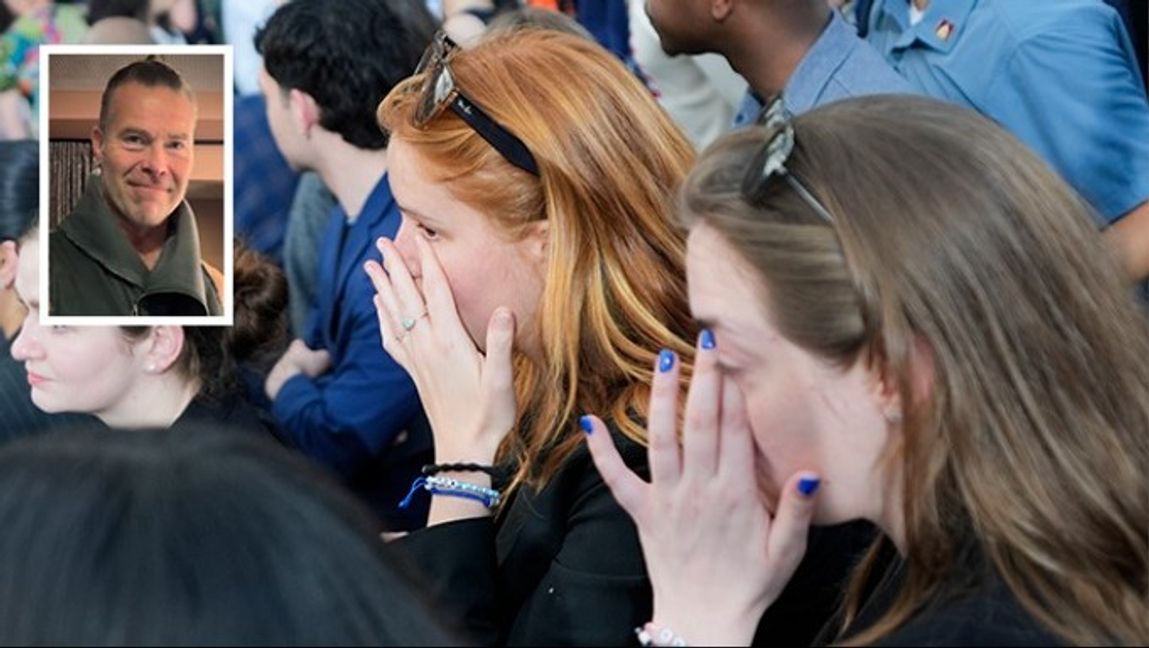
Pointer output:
x,y
130,246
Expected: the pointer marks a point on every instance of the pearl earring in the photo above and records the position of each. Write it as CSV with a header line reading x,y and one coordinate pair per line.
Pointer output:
x,y
151,368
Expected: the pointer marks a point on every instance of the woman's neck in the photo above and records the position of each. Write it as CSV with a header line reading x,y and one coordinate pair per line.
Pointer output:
x,y
155,403
891,517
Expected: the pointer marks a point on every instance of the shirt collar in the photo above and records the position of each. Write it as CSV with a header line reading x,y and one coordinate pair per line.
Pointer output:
x,y
817,67
939,28
92,226
374,207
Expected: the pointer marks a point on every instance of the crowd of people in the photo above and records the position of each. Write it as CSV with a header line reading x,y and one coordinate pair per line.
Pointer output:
x,y
528,350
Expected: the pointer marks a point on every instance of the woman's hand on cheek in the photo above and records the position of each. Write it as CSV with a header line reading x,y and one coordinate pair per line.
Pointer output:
x,y
469,398
716,557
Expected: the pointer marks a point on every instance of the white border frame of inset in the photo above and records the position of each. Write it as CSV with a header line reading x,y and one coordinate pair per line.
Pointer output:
x,y
228,317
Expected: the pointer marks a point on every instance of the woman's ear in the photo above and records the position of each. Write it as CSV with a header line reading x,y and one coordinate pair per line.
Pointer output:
x,y
539,242
921,382
163,348
888,395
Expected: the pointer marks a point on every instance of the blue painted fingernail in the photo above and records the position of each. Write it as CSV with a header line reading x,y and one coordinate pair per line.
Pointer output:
x,y
584,422
808,485
707,338
665,360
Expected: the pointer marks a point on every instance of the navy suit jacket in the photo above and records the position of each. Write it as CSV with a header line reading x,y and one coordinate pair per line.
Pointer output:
x,y
362,418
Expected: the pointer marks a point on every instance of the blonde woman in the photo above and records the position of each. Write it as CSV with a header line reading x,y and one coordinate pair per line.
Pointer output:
x,y
911,320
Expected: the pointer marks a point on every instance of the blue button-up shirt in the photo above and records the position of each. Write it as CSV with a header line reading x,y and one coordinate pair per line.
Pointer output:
x,y
362,418
838,66
1061,75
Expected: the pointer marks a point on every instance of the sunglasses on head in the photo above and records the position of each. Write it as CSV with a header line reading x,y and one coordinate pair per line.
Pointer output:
x,y
770,162
439,92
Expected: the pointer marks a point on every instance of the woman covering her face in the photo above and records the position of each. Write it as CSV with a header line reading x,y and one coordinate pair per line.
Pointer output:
x,y
913,322
536,273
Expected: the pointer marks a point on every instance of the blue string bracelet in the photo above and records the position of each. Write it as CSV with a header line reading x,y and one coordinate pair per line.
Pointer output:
x,y
488,497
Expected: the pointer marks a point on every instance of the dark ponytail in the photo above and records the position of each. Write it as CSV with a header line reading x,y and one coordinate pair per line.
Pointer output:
x,y
258,335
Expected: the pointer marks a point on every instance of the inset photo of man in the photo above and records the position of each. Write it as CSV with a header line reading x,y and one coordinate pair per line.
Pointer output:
x,y
136,223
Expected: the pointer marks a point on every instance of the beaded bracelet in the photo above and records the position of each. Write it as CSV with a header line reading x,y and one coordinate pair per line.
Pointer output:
x,y
489,497
652,635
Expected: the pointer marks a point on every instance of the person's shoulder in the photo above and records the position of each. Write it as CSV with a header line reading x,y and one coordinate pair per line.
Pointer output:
x,y
990,615
1036,21
227,411
580,470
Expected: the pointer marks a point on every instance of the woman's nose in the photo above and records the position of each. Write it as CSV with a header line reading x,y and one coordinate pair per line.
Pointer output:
x,y
26,346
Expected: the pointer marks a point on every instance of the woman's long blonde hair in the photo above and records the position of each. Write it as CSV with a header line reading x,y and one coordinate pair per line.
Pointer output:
x,y
611,163
1032,446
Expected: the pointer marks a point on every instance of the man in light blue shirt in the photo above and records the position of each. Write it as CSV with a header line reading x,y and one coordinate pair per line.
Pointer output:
x,y
800,47
1061,75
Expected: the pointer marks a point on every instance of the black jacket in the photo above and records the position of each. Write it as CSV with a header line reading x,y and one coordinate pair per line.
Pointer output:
x,y
562,566
93,270
230,412
990,616
974,607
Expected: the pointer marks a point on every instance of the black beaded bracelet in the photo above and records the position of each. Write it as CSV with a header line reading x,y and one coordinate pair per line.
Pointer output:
x,y
435,469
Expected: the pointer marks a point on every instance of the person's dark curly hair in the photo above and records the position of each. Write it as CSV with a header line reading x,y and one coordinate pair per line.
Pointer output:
x,y
347,55
258,335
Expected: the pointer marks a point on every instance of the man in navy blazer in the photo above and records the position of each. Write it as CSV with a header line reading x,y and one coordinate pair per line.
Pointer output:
x,y
337,395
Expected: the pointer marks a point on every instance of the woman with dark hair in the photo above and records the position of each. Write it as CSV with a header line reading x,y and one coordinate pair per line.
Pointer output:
x,y
913,321
19,203
156,376
204,538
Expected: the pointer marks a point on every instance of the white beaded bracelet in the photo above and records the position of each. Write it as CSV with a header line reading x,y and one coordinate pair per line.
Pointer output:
x,y
447,486
652,635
